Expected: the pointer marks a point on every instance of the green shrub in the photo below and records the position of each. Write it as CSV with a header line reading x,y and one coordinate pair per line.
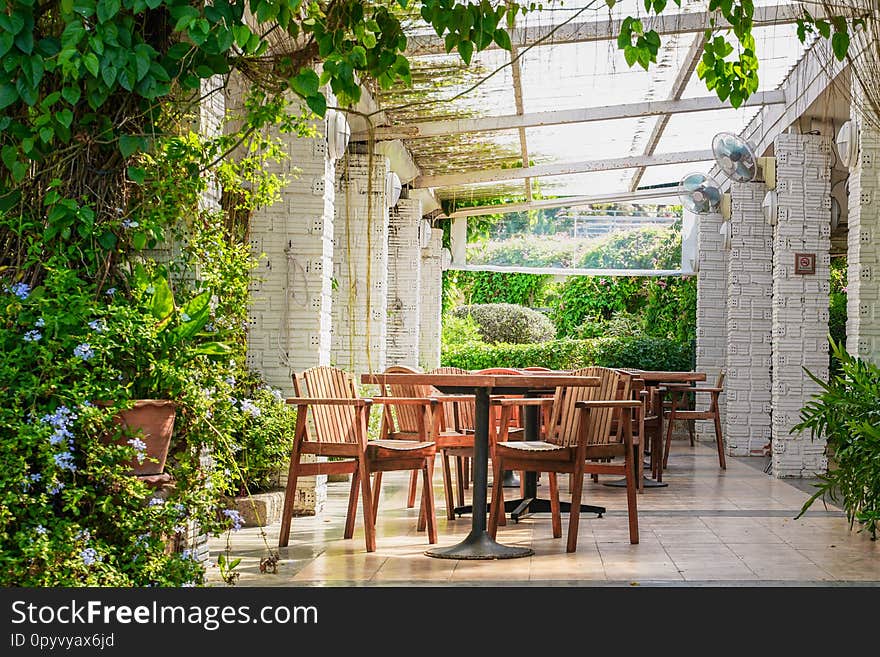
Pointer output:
x,y
508,323
847,414
499,287
642,353
621,325
459,330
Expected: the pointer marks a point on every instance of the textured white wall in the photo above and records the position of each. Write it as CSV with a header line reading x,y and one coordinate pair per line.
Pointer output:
x,y
711,312
404,283
747,384
863,252
800,302
360,265
431,292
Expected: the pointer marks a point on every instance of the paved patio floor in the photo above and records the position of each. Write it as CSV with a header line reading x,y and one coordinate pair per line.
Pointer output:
x,y
733,527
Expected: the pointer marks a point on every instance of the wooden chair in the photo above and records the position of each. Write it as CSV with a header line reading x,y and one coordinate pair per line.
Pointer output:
x,y
578,440
677,393
339,429
409,422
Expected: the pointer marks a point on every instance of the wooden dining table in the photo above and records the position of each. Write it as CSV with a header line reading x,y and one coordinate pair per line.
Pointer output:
x,y
478,544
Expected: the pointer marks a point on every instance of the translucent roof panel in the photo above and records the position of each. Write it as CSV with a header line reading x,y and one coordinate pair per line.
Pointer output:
x,y
576,142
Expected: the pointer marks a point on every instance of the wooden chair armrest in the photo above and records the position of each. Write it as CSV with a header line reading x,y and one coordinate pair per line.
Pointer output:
x,y
453,398
609,403
406,401
521,401
706,390
328,401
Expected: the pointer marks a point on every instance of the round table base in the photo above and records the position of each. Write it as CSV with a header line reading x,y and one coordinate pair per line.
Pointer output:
x,y
479,545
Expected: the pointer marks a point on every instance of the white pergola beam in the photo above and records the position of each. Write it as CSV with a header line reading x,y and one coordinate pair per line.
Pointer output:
x,y
561,169
562,271
565,202
561,117
608,30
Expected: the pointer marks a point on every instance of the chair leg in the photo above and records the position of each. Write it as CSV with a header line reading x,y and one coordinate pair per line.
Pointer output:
x,y
556,514
413,481
352,504
640,464
691,431
632,504
447,485
467,472
574,514
428,499
719,441
459,479
289,496
367,504
497,505
377,490
669,424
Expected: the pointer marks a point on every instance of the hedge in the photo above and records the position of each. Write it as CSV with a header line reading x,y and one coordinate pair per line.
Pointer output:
x,y
641,353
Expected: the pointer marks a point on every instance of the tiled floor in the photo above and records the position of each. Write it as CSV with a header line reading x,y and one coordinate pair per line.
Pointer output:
x,y
707,526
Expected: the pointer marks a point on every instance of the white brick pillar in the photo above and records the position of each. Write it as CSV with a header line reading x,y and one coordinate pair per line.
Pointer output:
x,y
711,311
212,111
404,282
863,250
360,266
289,315
800,301
749,323
431,293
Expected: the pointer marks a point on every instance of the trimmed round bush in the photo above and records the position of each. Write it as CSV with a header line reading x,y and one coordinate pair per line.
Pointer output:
x,y
508,323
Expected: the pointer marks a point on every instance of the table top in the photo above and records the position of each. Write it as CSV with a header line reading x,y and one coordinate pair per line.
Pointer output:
x,y
542,381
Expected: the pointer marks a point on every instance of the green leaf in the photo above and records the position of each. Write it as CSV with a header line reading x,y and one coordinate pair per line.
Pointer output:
x,y
46,134
6,40
107,9
136,175
466,50
107,240
502,38
318,104
90,61
199,312
9,155
131,144
305,83
840,44
162,303
212,349
64,117
71,94
630,54
139,240
8,94
12,23
451,41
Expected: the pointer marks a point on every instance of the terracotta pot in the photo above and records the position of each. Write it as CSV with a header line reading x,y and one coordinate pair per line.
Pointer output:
x,y
155,418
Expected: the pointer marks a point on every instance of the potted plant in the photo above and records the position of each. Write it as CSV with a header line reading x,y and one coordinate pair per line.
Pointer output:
x,y
154,367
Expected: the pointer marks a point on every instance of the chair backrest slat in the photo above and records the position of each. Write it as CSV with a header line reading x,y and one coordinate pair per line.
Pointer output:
x,y
409,418
564,418
332,423
465,411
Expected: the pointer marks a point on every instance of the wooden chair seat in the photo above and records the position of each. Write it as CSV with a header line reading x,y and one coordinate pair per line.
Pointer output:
x,y
529,446
380,447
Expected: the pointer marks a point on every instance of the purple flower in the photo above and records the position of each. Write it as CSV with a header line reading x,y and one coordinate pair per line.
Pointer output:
x,y
180,529
56,488
97,325
248,406
110,291
235,517
21,290
61,436
128,223
140,448
64,460
40,323
40,530
156,501
84,351
36,476
90,556
230,380
32,336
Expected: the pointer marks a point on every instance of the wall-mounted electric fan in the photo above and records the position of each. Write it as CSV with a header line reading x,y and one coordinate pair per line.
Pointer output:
x,y
338,134
700,193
